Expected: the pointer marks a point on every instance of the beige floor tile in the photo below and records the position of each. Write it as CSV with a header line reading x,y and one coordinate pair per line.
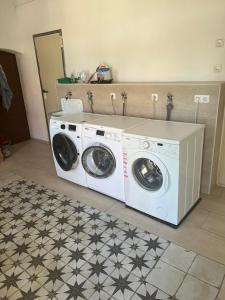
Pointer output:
x,y
217,191
216,206
194,238
222,291
194,289
215,223
197,216
178,257
166,278
207,270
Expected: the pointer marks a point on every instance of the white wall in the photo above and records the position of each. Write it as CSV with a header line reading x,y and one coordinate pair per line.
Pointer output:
x,y
145,40
9,27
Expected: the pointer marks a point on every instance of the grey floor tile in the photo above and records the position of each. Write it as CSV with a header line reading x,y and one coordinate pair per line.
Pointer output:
x,y
166,277
222,291
207,270
178,257
194,289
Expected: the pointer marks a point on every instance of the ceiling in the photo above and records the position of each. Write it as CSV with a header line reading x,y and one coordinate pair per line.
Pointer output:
x,y
20,2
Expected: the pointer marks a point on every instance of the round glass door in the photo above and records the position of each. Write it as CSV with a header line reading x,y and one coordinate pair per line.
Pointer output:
x,y
98,161
65,151
147,174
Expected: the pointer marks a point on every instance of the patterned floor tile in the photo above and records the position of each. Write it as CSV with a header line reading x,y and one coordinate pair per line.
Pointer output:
x,y
10,281
53,247
121,284
77,287
139,263
97,269
148,292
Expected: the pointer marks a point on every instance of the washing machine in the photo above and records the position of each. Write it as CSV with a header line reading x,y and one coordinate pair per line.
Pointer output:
x,y
66,143
102,157
162,168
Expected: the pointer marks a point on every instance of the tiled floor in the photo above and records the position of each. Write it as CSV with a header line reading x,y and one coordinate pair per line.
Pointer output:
x,y
54,247
202,232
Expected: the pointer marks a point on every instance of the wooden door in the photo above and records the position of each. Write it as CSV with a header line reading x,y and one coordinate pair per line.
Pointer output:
x,y
13,123
50,59
221,166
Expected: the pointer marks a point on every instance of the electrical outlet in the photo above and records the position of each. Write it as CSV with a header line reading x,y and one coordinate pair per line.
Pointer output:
x,y
202,99
220,43
218,68
155,97
113,96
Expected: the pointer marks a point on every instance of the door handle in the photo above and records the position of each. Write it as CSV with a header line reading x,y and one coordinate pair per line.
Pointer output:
x,y
44,91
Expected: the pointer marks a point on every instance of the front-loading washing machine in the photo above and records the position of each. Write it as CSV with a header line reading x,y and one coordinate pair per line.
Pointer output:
x,y
66,143
162,168
102,157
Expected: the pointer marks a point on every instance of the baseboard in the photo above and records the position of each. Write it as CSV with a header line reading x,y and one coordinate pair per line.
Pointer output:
x,y
41,141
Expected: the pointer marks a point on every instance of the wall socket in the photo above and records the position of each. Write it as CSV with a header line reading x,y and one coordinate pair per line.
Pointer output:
x,y
155,97
201,99
220,43
218,68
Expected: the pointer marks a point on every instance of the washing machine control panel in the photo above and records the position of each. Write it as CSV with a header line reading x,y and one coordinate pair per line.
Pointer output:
x,y
65,126
103,134
153,146
145,145
166,149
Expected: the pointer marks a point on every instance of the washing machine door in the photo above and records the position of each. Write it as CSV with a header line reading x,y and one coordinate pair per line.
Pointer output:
x,y
98,161
65,151
150,174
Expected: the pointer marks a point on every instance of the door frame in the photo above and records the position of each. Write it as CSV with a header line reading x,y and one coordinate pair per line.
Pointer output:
x,y
59,31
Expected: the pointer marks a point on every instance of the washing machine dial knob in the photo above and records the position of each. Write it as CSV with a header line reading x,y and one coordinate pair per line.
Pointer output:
x,y
145,145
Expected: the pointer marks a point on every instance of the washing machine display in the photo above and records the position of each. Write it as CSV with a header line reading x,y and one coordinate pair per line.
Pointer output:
x,y
65,151
147,174
99,161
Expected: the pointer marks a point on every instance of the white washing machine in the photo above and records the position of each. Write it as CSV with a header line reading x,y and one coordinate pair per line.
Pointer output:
x,y
102,157
162,168
66,143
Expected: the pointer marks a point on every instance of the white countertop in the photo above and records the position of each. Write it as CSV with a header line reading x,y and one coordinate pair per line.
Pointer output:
x,y
165,130
118,122
77,117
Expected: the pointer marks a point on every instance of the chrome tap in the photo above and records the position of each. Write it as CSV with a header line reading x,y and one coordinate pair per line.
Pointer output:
x,y
90,100
169,106
68,95
124,100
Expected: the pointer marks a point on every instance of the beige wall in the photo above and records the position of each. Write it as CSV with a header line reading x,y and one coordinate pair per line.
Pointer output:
x,y
146,40
9,27
185,109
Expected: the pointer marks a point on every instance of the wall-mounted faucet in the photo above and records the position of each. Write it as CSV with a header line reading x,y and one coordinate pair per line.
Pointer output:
x,y
90,100
68,95
169,106
124,100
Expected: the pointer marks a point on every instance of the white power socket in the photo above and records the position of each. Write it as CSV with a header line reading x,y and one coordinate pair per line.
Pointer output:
x,y
113,96
218,68
220,43
155,97
202,99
